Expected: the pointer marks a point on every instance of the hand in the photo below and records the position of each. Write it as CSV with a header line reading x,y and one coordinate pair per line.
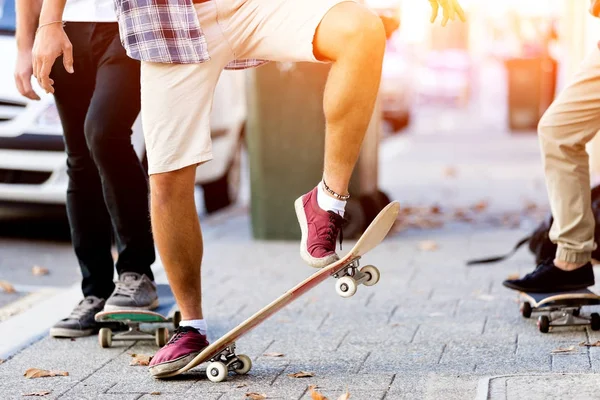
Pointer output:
x,y
451,9
23,73
51,42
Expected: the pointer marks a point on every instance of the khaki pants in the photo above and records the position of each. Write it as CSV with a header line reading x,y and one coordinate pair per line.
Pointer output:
x,y
564,130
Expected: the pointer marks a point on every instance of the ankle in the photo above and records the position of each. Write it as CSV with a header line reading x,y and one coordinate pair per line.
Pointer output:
x,y
329,203
567,266
199,324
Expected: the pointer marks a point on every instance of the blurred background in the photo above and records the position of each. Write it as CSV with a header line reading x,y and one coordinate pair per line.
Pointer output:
x,y
453,137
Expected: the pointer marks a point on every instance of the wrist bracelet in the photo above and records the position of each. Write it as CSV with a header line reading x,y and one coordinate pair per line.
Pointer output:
x,y
50,23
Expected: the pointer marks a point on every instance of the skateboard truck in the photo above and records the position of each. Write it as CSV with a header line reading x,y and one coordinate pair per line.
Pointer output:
x,y
566,316
225,361
133,320
106,336
349,276
561,309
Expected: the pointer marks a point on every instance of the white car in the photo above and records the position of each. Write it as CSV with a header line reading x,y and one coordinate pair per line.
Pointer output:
x,y
32,157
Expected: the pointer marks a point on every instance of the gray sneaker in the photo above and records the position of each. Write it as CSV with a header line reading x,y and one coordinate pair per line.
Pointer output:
x,y
81,322
133,292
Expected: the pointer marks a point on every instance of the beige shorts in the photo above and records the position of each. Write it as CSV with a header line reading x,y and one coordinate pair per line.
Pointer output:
x,y
177,98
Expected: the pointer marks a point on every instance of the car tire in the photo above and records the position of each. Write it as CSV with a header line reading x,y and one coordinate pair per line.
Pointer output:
x,y
224,191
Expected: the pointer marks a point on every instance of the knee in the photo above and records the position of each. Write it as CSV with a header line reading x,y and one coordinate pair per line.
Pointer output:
x,y
171,189
105,140
364,30
552,128
546,124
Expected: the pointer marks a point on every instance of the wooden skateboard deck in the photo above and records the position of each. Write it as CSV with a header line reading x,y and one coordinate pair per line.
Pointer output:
x,y
561,308
576,297
222,351
165,313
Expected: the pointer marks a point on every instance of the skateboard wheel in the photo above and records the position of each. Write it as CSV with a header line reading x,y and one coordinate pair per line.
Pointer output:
x,y
162,336
543,324
216,371
526,310
346,286
595,321
246,364
176,319
373,273
105,337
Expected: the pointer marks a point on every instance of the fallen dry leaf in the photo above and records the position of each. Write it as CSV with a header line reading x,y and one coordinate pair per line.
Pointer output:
x,y
7,287
256,396
530,206
2,360
38,394
273,354
563,350
513,276
428,245
155,394
345,396
39,271
462,215
406,210
587,344
425,223
436,210
301,374
316,395
42,373
480,206
241,385
140,359
450,172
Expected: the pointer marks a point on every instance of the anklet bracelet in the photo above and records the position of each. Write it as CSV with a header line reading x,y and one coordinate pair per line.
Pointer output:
x,y
338,196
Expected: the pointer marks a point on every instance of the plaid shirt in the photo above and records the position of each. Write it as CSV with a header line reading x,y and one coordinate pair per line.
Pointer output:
x,y
165,31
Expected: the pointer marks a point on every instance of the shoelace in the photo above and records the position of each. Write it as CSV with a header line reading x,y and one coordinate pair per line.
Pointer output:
x,y
179,332
82,309
537,269
335,226
126,288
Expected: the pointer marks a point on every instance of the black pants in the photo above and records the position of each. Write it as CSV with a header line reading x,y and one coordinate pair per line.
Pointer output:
x,y
108,188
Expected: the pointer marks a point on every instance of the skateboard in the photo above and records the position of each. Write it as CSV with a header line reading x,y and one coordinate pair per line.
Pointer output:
x,y
164,314
221,355
561,308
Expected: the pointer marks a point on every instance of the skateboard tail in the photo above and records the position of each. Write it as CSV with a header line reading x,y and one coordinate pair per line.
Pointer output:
x,y
252,322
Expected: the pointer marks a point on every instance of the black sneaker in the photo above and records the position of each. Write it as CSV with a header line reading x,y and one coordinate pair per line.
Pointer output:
x,y
547,278
81,322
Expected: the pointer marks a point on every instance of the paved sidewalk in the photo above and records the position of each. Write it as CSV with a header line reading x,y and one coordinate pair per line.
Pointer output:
x,y
432,328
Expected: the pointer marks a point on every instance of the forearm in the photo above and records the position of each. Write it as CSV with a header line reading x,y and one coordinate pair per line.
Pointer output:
x,y
28,15
52,10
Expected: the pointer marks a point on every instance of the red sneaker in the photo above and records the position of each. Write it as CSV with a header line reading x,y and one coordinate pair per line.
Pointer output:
x,y
185,344
320,229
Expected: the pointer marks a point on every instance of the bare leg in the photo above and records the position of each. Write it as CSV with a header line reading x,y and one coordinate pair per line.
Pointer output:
x,y
354,39
178,237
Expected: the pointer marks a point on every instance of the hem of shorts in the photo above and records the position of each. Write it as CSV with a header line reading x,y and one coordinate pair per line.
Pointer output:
x,y
162,168
318,19
573,256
